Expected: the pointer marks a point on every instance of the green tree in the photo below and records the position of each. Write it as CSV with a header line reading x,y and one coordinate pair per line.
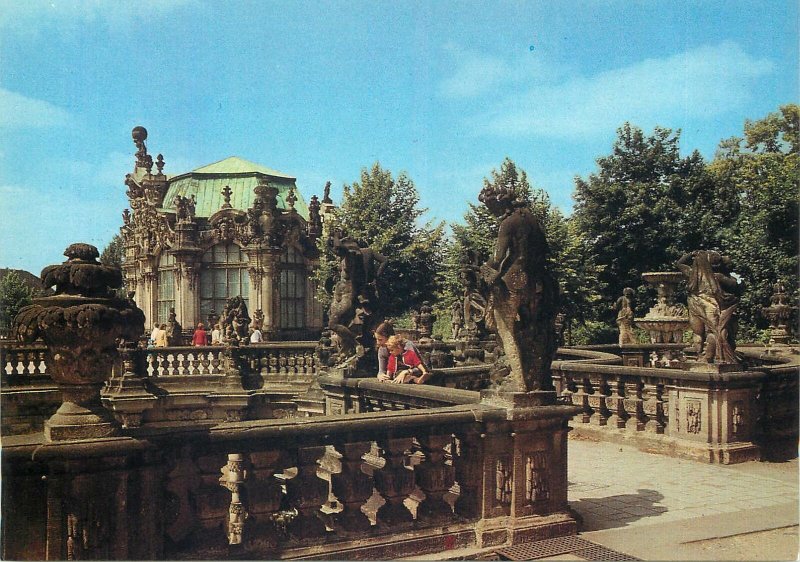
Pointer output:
x,y
383,213
756,176
114,252
643,208
14,294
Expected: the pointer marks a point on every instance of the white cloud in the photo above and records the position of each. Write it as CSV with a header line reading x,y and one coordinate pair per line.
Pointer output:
x,y
476,74
17,111
29,15
699,83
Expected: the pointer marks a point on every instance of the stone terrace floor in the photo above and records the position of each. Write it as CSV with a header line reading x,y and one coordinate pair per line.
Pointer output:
x,y
637,505
656,507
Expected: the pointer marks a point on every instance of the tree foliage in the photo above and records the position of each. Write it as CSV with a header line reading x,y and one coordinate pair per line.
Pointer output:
x,y
643,208
114,252
383,213
14,294
758,173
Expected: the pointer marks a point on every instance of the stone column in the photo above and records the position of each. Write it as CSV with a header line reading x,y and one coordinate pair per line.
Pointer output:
x,y
263,270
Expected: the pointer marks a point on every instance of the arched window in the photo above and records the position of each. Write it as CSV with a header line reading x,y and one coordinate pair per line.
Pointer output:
x,y
293,289
223,275
166,287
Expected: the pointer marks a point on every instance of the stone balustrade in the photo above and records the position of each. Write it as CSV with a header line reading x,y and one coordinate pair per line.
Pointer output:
x,y
375,485
711,416
19,362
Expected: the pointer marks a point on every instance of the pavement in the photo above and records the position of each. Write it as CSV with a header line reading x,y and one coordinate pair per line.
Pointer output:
x,y
655,507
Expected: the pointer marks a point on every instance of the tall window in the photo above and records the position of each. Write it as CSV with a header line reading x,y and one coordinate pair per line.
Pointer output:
x,y
166,287
293,290
223,276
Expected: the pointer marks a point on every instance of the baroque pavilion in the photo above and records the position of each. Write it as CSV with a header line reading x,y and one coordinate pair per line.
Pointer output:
x,y
229,229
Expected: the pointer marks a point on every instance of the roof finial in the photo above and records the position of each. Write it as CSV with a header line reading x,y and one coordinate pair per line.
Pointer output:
x,y
291,198
160,164
139,135
226,193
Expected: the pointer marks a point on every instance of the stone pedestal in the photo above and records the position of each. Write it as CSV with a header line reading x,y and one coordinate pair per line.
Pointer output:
x,y
81,415
524,489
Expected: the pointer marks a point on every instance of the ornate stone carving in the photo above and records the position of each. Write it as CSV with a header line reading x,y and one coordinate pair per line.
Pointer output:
x,y
624,308
712,305
81,325
235,320
778,314
174,337
522,293
307,492
185,208
233,479
355,309
693,416
503,480
435,476
456,319
394,482
352,488
536,488
423,320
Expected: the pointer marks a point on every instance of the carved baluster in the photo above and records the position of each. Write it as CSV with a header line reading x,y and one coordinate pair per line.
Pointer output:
x,y
42,365
29,363
394,482
615,404
200,363
634,405
352,487
233,479
307,492
273,363
435,476
283,363
291,363
662,408
469,472
19,364
180,364
151,364
653,407
600,398
161,369
264,494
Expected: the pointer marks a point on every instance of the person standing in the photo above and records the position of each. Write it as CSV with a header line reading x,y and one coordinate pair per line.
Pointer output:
x,y
216,335
160,339
200,336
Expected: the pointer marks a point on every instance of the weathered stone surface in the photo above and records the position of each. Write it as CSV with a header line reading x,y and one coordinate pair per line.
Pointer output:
x,y
522,293
82,326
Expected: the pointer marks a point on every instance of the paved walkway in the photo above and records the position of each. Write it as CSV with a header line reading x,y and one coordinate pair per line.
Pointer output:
x,y
656,507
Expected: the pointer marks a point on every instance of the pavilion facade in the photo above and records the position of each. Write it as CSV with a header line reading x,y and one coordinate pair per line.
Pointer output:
x,y
230,229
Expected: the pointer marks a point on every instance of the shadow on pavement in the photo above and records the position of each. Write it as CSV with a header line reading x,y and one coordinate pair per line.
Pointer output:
x,y
619,510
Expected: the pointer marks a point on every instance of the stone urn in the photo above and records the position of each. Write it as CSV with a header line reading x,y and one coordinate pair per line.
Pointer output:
x,y
82,325
667,320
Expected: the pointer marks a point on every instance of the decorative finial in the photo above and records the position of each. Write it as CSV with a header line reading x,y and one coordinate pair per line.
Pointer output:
x,y
126,217
291,198
139,135
148,164
226,193
160,164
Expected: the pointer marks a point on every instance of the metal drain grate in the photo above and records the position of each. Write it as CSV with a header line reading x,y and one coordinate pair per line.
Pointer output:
x,y
545,548
602,554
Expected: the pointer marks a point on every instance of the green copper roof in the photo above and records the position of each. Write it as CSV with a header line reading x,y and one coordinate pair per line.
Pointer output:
x,y
236,165
206,184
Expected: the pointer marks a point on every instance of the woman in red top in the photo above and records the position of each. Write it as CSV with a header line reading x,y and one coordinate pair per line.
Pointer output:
x,y
405,365
199,337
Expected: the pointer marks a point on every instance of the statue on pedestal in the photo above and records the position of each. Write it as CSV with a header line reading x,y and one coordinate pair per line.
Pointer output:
x,y
624,308
355,310
522,293
713,299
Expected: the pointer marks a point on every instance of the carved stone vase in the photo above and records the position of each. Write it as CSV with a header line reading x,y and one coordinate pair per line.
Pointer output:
x,y
82,326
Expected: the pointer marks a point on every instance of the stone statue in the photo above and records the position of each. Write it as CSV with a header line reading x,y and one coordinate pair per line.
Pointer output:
x,y
522,293
173,330
456,318
326,194
235,320
624,308
354,311
713,299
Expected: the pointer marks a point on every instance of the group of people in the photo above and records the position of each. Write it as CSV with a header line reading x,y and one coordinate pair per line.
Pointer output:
x,y
399,360
158,337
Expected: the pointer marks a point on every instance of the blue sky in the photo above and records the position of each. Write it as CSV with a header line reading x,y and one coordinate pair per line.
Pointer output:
x,y
442,90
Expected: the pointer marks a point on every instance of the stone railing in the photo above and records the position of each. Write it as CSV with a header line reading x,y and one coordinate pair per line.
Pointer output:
x,y
18,362
710,416
374,485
